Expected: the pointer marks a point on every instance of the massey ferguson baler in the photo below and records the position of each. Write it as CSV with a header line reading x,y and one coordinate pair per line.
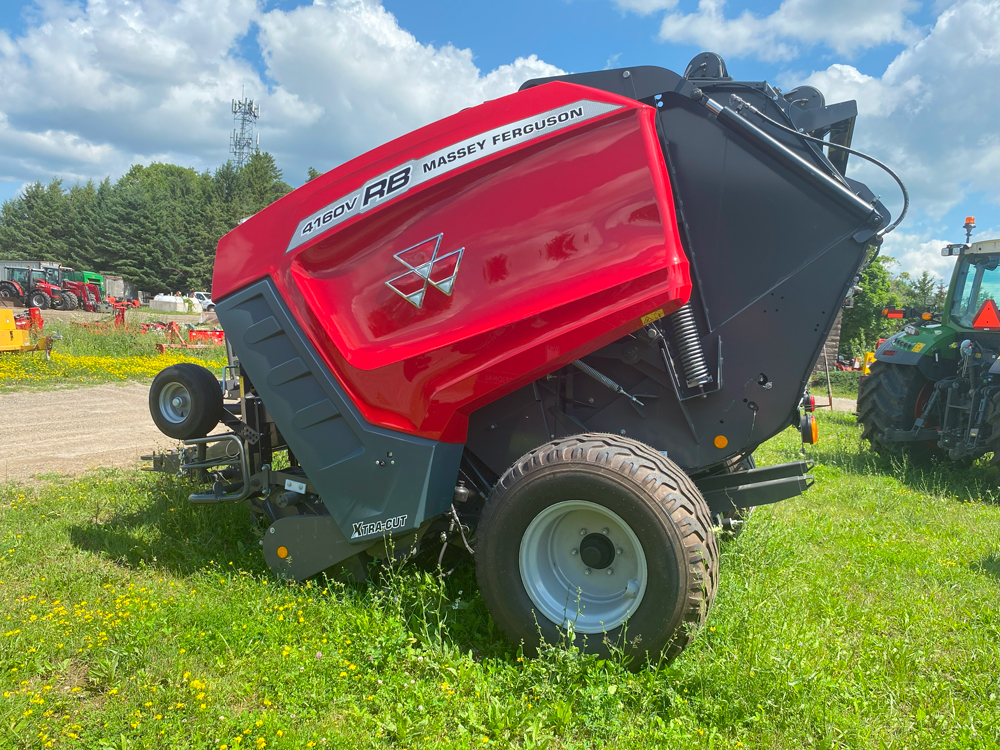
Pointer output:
x,y
550,330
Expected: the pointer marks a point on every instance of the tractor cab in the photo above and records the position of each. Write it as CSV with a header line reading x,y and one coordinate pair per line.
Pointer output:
x,y
975,288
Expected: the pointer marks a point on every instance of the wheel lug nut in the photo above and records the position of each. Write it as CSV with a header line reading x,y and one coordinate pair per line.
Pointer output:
x,y
586,572
575,551
611,571
583,532
620,551
605,531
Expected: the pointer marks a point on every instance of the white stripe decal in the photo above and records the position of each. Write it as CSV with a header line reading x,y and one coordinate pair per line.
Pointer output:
x,y
397,181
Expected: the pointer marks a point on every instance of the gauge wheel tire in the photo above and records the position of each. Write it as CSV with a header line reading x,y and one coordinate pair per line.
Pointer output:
x,y
70,301
888,399
185,401
649,510
40,300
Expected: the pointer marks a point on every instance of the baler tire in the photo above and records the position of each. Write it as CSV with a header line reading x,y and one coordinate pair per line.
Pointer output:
x,y
70,301
657,504
200,408
39,299
887,399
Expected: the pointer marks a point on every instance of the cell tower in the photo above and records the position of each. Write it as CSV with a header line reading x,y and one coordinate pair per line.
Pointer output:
x,y
243,142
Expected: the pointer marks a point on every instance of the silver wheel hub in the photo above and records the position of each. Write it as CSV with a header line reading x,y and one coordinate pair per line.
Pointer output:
x,y
175,402
582,566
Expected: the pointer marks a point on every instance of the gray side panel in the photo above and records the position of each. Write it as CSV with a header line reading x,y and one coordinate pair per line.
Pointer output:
x,y
363,473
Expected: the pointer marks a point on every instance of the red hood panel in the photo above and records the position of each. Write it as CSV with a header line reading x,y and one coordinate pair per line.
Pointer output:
x,y
469,257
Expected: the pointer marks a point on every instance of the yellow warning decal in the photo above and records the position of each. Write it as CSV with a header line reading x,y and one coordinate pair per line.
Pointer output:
x,y
917,347
650,317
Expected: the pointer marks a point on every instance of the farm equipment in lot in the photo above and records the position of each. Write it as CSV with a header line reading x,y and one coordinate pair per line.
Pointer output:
x,y
85,294
54,281
934,387
18,339
30,288
551,329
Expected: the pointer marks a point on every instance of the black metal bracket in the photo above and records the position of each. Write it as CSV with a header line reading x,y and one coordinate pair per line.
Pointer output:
x,y
761,486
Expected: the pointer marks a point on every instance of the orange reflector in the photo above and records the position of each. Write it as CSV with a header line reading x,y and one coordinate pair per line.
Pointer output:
x,y
721,441
987,319
926,316
809,429
282,552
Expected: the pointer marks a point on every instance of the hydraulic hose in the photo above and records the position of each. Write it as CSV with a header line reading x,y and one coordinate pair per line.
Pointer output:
x,y
741,104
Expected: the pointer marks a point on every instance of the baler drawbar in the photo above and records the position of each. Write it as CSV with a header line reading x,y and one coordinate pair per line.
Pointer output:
x,y
551,330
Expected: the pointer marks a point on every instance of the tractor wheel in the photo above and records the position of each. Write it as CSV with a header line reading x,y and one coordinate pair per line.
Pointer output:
x,y
598,535
70,301
893,396
40,300
8,291
185,401
993,441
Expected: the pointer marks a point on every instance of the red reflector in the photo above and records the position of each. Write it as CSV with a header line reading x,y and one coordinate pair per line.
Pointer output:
x,y
987,318
888,352
810,404
894,314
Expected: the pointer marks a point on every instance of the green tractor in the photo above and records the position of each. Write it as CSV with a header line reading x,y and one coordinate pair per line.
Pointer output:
x,y
934,388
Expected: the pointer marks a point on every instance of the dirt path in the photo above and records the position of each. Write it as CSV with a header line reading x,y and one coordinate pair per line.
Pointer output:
x,y
75,429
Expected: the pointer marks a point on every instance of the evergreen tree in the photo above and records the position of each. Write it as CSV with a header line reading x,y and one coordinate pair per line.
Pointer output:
x,y
312,174
158,226
263,182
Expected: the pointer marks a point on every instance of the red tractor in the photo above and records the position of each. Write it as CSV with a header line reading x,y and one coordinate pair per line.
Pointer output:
x,y
75,293
549,330
30,288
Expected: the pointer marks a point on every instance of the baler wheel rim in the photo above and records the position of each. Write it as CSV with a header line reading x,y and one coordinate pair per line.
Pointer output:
x,y
645,489
175,402
558,580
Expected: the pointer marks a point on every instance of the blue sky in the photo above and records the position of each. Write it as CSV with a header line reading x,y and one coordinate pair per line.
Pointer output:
x,y
91,88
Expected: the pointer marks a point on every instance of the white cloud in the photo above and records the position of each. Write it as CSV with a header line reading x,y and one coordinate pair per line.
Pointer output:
x,y
91,88
933,116
917,254
371,79
844,27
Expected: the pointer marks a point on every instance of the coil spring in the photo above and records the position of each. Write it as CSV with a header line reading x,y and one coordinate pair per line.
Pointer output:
x,y
692,357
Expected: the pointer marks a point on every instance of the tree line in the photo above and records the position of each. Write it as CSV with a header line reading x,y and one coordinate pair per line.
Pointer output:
x,y
881,287
157,226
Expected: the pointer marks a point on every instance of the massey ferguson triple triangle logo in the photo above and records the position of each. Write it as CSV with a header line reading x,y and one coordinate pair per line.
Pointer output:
x,y
426,268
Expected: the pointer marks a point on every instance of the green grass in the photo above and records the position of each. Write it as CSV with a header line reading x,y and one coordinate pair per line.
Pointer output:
x,y
860,615
844,384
